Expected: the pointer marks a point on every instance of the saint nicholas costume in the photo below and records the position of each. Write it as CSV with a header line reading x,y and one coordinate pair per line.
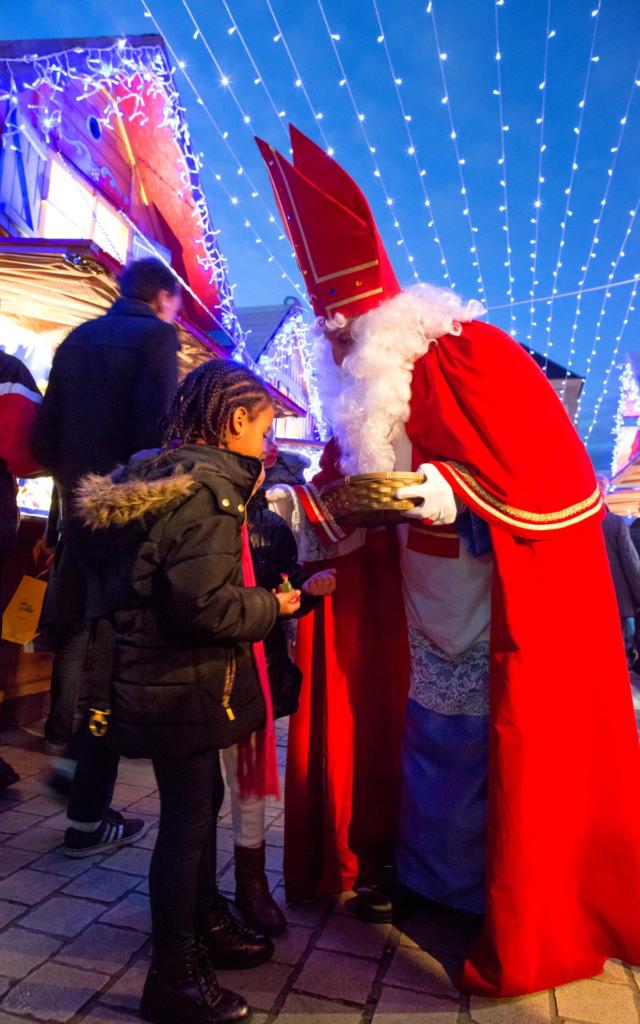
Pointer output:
x,y
520,750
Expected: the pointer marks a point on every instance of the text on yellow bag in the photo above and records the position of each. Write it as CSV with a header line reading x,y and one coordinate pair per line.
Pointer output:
x,y
20,619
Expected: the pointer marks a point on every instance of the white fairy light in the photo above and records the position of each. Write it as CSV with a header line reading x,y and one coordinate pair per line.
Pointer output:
x,y
411,151
614,357
595,238
595,14
299,78
537,204
360,117
255,194
259,79
503,173
466,212
597,337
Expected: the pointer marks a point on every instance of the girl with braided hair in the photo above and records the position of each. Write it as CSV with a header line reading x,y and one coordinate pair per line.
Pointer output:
x,y
189,674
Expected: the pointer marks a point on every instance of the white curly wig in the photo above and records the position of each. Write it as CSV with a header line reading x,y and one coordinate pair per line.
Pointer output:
x,y
367,398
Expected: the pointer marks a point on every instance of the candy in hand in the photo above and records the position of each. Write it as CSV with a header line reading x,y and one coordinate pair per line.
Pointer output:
x,y
286,586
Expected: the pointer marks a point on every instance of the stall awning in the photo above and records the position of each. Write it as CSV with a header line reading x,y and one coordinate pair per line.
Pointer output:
x,y
624,496
48,287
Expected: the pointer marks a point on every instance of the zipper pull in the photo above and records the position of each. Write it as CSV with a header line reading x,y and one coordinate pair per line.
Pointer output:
x,y
230,714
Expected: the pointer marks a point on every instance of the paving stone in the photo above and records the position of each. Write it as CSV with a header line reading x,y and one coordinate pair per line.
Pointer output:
x,y
225,840
143,886
40,840
101,1014
14,821
125,993
54,992
58,863
273,859
9,1018
27,886
274,836
148,840
259,986
291,944
11,860
59,822
350,935
614,972
596,1002
300,1008
9,911
131,859
4,985
337,976
440,933
415,969
43,805
101,948
21,951
98,884
147,805
308,913
400,1006
125,794
62,915
131,912
534,1009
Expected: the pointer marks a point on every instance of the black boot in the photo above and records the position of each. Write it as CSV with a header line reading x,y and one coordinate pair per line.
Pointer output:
x,y
181,988
252,892
8,776
230,944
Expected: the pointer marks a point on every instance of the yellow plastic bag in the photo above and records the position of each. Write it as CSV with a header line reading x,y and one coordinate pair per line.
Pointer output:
x,y
20,619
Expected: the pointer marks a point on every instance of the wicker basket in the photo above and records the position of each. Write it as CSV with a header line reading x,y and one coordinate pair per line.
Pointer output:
x,y
369,499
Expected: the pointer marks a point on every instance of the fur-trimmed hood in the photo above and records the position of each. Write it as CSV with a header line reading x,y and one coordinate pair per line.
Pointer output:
x,y
155,482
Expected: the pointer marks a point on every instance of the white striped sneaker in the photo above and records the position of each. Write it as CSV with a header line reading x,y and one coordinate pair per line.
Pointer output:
x,y
113,832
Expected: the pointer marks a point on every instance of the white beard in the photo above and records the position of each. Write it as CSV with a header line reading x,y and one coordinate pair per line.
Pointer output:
x,y
367,398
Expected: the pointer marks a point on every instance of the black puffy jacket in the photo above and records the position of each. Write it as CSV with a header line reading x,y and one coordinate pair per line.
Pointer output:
x,y
164,556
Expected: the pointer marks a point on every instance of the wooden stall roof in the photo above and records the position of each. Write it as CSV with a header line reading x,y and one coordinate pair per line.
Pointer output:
x,y
61,283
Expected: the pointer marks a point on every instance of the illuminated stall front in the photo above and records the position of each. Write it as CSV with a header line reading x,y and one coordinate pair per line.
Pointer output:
x,y
96,168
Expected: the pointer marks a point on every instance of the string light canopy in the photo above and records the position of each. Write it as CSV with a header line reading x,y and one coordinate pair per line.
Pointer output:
x,y
542,90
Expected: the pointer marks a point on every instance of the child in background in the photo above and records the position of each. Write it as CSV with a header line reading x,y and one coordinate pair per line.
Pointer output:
x,y
275,555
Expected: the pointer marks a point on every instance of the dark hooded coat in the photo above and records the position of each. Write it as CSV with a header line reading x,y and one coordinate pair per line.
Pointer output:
x,y
162,547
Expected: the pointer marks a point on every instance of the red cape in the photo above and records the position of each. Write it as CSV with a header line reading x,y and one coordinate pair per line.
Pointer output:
x,y
343,760
563,844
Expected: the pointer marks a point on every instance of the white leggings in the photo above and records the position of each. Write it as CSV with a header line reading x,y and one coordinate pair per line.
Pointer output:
x,y
247,815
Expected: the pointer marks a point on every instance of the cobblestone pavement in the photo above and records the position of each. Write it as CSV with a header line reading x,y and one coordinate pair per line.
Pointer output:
x,y
74,934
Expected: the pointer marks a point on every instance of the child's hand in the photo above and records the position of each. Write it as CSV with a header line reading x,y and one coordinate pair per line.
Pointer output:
x,y
320,583
289,602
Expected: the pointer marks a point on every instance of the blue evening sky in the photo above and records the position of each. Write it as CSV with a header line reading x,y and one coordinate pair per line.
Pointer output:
x,y
601,203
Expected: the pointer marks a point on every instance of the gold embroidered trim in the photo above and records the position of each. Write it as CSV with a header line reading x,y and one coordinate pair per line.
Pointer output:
x,y
517,513
354,298
349,270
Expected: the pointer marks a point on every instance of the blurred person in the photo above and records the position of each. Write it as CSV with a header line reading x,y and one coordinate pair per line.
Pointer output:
x,y
110,385
19,401
624,563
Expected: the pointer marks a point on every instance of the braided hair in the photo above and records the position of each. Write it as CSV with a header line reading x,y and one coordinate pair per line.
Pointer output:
x,y
207,398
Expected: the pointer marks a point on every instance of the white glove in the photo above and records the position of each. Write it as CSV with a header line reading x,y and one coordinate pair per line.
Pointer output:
x,y
437,500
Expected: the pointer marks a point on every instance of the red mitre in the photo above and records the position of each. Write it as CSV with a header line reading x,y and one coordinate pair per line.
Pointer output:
x,y
327,218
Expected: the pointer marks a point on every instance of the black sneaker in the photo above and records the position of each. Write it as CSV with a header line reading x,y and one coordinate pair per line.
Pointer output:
x,y
113,832
8,775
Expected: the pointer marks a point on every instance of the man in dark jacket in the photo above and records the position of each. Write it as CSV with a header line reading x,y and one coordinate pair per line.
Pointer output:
x,y
625,571
19,400
110,385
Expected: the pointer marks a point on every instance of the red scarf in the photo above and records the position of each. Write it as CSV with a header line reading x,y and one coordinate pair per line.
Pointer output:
x,y
257,763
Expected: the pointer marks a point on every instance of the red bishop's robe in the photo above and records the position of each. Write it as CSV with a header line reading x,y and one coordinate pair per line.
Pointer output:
x,y
343,762
563,839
